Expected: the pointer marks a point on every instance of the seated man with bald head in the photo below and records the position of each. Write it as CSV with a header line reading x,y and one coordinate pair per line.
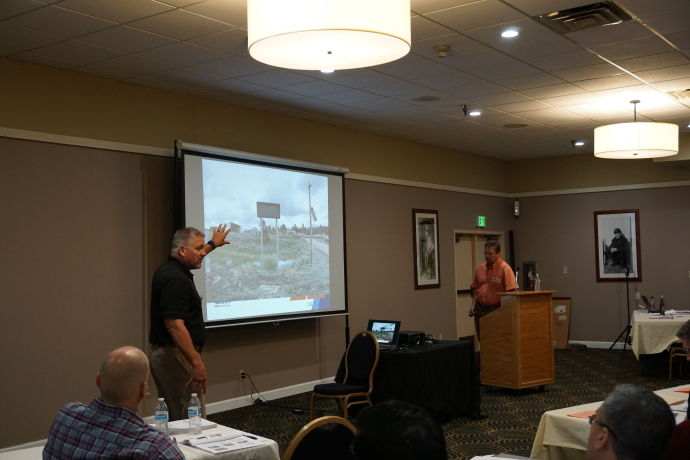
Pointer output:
x,y
109,427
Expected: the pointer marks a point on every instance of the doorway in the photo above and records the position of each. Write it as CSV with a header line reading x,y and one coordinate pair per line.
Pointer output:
x,y
469,253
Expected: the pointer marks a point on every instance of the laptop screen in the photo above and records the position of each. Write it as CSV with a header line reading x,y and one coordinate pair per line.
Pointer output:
x,y
386,332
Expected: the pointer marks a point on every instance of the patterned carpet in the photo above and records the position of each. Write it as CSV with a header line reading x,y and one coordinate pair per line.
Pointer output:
x,y
513,416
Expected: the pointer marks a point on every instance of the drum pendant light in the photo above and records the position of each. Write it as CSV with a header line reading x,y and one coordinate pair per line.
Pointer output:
x,y
328,34
636,140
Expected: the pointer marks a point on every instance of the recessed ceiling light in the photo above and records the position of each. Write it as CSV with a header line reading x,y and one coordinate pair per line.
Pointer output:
x,y
579,144
475,113
327,71
688,126
510,33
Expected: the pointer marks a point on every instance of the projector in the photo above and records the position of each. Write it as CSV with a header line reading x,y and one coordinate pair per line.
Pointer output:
x,y
410,338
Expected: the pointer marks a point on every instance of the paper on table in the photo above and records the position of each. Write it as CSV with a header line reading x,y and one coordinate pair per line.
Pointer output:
x,y
215,437
683,407
583,414
242,442
672,400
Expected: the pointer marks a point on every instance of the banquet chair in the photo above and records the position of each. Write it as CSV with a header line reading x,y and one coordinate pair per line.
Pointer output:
x,y
674,351
326,437
361,359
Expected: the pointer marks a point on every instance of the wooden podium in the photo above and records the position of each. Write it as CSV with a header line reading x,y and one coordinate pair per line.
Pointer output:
x,y
517,341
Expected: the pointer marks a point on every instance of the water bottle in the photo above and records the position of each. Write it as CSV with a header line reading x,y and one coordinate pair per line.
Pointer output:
x,y
161,416
194,413
662,309
537,283
652,304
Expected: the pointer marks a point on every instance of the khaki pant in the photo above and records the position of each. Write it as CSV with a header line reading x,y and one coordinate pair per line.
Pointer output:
x,y
171,371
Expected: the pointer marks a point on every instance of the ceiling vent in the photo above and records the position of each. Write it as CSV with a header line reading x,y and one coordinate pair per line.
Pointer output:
x,y
584,17
680,95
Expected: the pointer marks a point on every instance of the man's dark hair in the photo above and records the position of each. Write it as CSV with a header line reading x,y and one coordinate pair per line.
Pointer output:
x,y
642,422
684,331
396,429
492,244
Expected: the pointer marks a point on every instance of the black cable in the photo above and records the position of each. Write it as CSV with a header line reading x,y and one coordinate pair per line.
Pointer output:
x,y
262,400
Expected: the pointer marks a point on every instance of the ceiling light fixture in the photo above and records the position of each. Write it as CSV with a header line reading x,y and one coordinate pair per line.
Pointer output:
x,y
577,143
327,70
475,113
636,140
334,34
510,33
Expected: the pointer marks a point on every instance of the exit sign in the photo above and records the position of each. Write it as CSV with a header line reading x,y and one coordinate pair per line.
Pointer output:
x,y
481,221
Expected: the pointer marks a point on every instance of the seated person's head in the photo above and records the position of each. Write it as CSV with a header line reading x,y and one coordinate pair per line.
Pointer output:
x,y
123,377
632,424
395,429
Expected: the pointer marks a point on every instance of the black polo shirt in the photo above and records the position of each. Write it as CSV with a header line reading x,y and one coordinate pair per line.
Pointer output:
x,y
174,296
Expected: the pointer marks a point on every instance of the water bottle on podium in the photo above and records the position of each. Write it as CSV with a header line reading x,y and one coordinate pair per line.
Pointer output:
x,y
194,414
537,283
161,416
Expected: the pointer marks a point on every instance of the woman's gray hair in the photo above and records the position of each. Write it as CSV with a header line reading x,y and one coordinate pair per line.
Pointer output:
x,y
184,237
642,422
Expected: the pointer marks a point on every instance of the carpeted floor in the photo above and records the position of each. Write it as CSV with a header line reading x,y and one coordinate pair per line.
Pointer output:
x,y
513,416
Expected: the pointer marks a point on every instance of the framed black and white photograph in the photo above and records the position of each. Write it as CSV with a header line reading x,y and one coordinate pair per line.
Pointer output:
x,y
529,271
617,244
426,265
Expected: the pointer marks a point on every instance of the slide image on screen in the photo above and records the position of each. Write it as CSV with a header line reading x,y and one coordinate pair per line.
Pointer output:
x,y
278,257
384,332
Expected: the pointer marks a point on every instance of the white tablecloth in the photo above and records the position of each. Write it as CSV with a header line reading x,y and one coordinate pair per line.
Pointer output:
x,y
652,336
560,437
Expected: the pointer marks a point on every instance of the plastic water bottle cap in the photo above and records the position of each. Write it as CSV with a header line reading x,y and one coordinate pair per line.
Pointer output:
x,y
161,399
193,395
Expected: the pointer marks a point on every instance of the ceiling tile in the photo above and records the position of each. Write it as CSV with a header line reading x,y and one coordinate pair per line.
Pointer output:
x,y
582,124
633,48
45,60
673,85
275,95
479,89
197,93
136,65
231,42
458,44
668,73
7,50
119,11
483,112
645,8
277,78
539,48
181,24
619,119
552,91
310,103
103,72
499,99
571,99
528,30
622,32
364,79
662,105
186,76
180,3
599,84
233,66
423,29
535,7
447,104
551,116
75,51
680,39
448,80
415,70
475,15
25,39
153,83
60,21
518,107
656,61
499,121
314,88
602,109
500,72
588,72
126,39
9,8
396,89
566,61
222,10
477,59
408,58
678,21
349,97
184,54
233,86
530,81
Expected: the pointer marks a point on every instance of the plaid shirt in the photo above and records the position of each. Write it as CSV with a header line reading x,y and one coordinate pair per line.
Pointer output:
x,y
103,431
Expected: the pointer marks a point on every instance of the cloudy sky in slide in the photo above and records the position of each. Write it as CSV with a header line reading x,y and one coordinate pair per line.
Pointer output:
x,y
231,191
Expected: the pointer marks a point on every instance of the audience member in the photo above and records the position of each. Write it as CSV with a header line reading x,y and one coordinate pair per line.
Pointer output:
x,y
109,426
632,424
395,429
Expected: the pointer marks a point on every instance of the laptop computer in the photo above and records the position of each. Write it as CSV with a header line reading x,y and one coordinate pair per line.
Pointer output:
x,y
386,332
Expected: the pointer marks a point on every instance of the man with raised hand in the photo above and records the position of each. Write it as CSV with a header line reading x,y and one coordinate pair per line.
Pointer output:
x,y
109,427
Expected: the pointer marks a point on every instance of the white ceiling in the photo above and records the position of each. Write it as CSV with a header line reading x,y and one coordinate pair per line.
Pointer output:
x,y
561,86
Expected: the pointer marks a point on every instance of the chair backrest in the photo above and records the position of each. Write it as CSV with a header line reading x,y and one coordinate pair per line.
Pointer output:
x,y
324,438
361,359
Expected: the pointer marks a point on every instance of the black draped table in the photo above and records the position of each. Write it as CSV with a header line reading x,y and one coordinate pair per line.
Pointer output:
x,y
442,379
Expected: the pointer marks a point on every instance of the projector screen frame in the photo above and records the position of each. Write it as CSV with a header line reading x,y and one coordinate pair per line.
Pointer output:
x,y
179,216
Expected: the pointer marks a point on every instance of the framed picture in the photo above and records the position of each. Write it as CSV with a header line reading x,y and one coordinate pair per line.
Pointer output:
x,y
617,245
426,265
529,271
